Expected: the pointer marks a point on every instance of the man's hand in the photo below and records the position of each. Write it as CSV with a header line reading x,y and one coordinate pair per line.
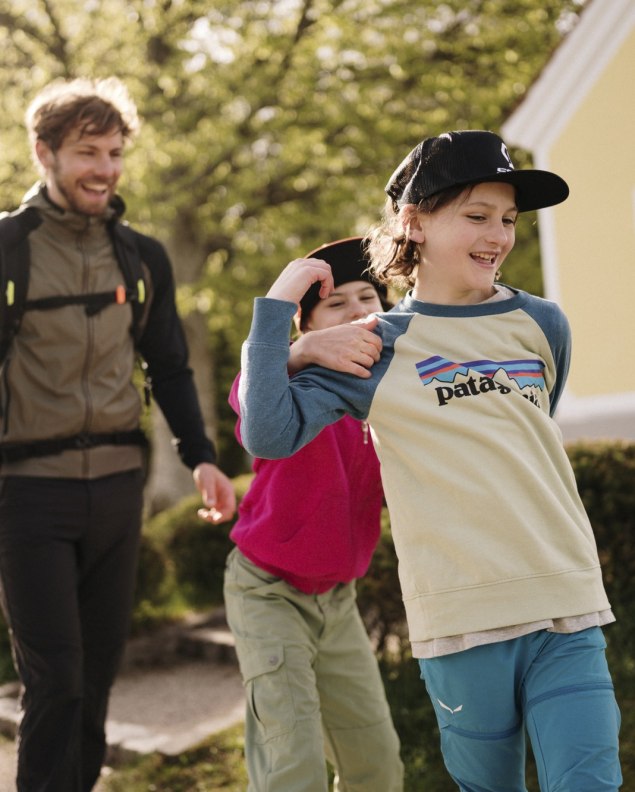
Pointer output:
x,y
217,493
352,348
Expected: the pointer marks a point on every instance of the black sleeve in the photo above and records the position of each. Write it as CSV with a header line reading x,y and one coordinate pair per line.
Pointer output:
x,y
164,348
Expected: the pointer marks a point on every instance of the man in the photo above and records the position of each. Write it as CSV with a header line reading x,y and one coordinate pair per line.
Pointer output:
x,y
71,480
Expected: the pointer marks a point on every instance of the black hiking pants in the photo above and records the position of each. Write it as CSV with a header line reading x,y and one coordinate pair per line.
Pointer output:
x,y
68,559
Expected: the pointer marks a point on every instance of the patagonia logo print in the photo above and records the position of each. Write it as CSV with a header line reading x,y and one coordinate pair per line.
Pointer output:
x,y
475,377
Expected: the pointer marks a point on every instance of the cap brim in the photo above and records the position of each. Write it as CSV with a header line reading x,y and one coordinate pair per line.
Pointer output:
x,y
535,189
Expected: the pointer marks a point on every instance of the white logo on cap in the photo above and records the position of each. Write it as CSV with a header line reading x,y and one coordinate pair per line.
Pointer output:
x,y
505,154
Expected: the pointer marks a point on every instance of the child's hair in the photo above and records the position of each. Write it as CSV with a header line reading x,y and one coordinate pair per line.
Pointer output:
x,y
393,256
96,107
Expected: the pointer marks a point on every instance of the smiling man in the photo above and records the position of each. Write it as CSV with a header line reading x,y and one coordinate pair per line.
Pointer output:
x,y
96,294
83,173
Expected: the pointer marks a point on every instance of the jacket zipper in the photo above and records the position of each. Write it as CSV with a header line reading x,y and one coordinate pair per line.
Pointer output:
x,y
89,347
365,432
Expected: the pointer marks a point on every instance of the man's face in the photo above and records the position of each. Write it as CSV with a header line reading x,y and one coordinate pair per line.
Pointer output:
x,y
82,174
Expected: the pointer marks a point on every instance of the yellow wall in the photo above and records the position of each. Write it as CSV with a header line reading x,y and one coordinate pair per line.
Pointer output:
x,y
595,230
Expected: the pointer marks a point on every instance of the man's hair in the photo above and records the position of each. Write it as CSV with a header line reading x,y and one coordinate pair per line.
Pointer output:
x,y
95,107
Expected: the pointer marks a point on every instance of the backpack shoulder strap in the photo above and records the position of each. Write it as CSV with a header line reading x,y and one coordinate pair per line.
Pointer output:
x,y
15,261
129,258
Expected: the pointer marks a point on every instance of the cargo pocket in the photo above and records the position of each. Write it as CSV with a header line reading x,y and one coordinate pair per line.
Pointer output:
x,y
268,693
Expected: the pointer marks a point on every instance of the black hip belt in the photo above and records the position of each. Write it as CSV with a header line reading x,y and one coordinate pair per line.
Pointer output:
x,y
16,452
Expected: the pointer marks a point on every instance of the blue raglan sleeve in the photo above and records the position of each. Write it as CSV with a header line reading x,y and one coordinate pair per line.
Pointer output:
x,y
562,351
555,326
281,415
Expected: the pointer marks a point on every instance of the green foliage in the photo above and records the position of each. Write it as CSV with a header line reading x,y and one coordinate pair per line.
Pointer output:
x,y
155,590
217,764
416,725
271,127
188,557
198,551
605,473
379,599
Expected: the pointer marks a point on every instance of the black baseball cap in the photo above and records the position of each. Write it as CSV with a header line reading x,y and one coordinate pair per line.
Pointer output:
x,y
468,157
348,261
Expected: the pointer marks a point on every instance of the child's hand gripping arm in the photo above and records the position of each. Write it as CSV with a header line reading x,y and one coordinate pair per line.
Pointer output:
x,y
352,348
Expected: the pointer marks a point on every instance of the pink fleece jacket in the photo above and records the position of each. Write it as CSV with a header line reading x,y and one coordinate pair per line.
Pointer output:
x,y
313,519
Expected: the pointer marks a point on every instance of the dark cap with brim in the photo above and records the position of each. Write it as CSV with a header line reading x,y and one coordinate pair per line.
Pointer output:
x,y
348,261
469,157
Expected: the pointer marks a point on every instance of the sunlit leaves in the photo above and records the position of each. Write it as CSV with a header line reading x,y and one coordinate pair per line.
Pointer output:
x,y
271,126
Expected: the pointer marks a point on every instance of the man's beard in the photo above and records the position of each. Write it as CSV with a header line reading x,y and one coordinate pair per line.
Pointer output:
x,y
75,201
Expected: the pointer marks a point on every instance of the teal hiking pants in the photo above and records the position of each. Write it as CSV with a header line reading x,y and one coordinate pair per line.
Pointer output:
x,y
556,687
314,691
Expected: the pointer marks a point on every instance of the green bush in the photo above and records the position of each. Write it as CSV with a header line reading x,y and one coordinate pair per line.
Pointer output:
x,y
197,551
155,591
194,550
379,599
152,574
605,473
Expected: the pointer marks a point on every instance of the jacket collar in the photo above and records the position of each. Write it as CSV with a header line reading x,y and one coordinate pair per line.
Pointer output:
x,y
38,197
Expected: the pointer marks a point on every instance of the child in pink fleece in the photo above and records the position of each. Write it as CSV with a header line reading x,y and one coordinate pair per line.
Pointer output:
x,y
307,529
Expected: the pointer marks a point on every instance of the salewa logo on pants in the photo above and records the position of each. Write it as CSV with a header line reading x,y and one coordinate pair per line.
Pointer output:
x,y
449,709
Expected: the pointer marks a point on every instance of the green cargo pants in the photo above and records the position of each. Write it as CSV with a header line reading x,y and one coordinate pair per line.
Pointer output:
x,y
314,690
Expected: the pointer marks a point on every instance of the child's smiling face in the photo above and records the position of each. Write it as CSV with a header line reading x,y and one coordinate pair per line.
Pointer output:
x,y
348,302
465,243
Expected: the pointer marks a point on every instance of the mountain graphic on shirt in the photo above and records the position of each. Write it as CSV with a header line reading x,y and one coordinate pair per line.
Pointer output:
x,y
528,373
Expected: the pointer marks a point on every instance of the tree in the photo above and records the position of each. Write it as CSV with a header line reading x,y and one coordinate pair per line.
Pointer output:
x,y
270,127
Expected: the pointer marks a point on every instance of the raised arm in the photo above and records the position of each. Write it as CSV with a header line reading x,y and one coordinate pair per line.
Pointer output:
x,y
298,277
280,415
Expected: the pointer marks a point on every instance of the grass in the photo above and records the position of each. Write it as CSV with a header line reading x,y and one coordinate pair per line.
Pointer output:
x,y
215,764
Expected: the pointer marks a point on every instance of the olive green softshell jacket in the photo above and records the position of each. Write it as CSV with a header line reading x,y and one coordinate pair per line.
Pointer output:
x,y
68,372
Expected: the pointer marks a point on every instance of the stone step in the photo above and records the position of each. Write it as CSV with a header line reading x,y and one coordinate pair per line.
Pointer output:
x,y
209,643
198,636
